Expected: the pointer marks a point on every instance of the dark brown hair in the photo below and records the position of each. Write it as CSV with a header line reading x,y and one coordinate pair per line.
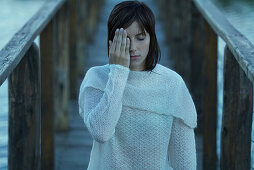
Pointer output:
x,y
124,14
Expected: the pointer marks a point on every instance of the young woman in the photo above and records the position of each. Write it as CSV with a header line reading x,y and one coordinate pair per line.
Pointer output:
x,y
139,113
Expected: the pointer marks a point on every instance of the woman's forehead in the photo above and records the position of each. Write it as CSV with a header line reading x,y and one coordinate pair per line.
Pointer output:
x,y
134,29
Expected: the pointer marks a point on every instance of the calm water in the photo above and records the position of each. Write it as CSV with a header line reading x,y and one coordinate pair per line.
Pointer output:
x,y
239,12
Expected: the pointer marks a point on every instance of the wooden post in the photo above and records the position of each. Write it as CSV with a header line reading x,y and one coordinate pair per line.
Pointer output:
x,y
61,68
197,51
237,116
47,96
210,102
73,50
162,4
82,34
24,113
93,17
179,20
168,18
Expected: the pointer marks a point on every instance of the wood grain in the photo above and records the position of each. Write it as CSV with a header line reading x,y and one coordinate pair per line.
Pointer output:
x,y
61,68
16,48
210,98
47,98
237,116
24,113
73,74
238,44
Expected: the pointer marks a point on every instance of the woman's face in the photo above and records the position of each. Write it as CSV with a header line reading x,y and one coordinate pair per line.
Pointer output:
x,y
139,46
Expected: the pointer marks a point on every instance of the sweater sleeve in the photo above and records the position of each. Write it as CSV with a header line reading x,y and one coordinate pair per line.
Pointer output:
x,y
102,109
182,147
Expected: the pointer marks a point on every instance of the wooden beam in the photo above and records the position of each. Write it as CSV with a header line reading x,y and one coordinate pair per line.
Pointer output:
x,y
237,116
61,68
179,22
47,96
197,53
16,48
24,113
82,34
210,100
73,50
239,45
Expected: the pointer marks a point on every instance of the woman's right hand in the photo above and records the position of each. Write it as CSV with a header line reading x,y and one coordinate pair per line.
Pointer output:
x,y
119,49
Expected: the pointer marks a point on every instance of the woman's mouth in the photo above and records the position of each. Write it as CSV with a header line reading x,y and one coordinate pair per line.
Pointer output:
x,y
134,57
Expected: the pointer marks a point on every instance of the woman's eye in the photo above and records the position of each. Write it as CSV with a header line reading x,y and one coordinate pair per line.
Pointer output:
x,y
140,39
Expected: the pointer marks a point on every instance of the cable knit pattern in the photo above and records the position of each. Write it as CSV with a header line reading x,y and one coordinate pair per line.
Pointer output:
x,y
135,121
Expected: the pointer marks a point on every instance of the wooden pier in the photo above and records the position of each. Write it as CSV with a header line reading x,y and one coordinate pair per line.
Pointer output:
x,y
71,32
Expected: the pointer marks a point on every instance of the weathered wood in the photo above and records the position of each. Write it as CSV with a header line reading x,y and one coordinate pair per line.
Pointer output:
x,y
179,36
61,68
162,6
197,52
210,102
82,34
16,48
237,116
24,113
93,16
47,96
240,46
73,74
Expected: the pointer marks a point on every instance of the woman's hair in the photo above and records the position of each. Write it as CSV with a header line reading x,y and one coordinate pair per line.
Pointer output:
x,y
124,14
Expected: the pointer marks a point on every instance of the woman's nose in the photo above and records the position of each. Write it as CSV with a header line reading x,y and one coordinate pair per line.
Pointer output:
x,y
133,46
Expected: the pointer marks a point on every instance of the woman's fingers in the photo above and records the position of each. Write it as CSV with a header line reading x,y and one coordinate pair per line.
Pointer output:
x,y
113,46
127,48
119,48
119,41
123,44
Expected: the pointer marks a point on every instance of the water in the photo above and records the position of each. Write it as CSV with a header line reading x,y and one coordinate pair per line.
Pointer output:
x,y
239,13
13,15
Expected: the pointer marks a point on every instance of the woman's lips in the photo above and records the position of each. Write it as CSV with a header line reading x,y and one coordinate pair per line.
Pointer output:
x,y
134,56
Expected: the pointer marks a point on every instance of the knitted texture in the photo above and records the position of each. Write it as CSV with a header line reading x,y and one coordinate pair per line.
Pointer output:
x,y
182,147
138,120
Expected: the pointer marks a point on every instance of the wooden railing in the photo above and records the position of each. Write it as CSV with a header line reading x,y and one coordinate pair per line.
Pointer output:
x,y
193,28
42,79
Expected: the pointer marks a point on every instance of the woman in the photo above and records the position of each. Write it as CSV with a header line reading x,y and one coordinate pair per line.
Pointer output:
x,y
139,113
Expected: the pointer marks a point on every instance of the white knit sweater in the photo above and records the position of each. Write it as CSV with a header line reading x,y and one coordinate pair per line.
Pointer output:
x,y
138,120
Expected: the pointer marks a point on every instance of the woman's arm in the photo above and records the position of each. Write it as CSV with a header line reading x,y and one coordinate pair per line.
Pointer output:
x,y
102,109
182,147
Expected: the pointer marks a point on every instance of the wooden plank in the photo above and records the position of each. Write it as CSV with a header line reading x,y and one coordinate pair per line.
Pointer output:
x,y
16,48
210,100
179,35
197,53
93,16
73,50
61,68
239,45
82,35
24,113
237,116
47,96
